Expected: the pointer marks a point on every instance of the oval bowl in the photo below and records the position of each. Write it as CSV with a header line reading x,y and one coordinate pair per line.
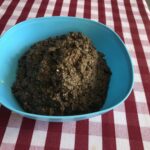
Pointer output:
x,y
20,37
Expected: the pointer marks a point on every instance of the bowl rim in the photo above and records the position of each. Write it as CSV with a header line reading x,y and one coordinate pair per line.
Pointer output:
x,y
87,115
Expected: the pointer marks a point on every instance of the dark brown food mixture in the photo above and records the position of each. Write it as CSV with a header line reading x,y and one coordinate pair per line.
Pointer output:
x,y
64,75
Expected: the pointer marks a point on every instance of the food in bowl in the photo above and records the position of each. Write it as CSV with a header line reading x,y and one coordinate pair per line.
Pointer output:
x,y
62,75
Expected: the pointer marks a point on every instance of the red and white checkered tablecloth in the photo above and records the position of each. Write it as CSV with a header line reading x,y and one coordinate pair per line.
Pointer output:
x,y
126,127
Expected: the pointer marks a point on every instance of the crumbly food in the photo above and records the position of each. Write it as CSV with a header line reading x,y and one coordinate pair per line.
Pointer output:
x,y
62,75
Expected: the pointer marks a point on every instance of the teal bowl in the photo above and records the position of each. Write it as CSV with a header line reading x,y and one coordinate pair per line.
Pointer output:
x,y
20,37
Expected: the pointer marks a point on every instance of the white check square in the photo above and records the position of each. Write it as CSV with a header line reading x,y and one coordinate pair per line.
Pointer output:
x,y
38,138
137,77
144,120
67,141
140,96
122,144
120,118
10,135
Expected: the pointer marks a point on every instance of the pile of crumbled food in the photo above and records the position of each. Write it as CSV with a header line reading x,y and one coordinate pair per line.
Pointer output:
x,y
62,75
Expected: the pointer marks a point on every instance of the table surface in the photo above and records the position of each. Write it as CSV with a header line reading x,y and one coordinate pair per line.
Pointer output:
x,y
127,126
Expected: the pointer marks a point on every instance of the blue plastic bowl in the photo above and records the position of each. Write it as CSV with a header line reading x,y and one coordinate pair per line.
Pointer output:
x,y
20,37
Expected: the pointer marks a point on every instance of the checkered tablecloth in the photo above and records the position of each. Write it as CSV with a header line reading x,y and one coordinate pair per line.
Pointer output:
x,y
127,126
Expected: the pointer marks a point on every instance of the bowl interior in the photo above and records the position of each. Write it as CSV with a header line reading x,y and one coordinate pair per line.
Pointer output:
x,y
19,38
